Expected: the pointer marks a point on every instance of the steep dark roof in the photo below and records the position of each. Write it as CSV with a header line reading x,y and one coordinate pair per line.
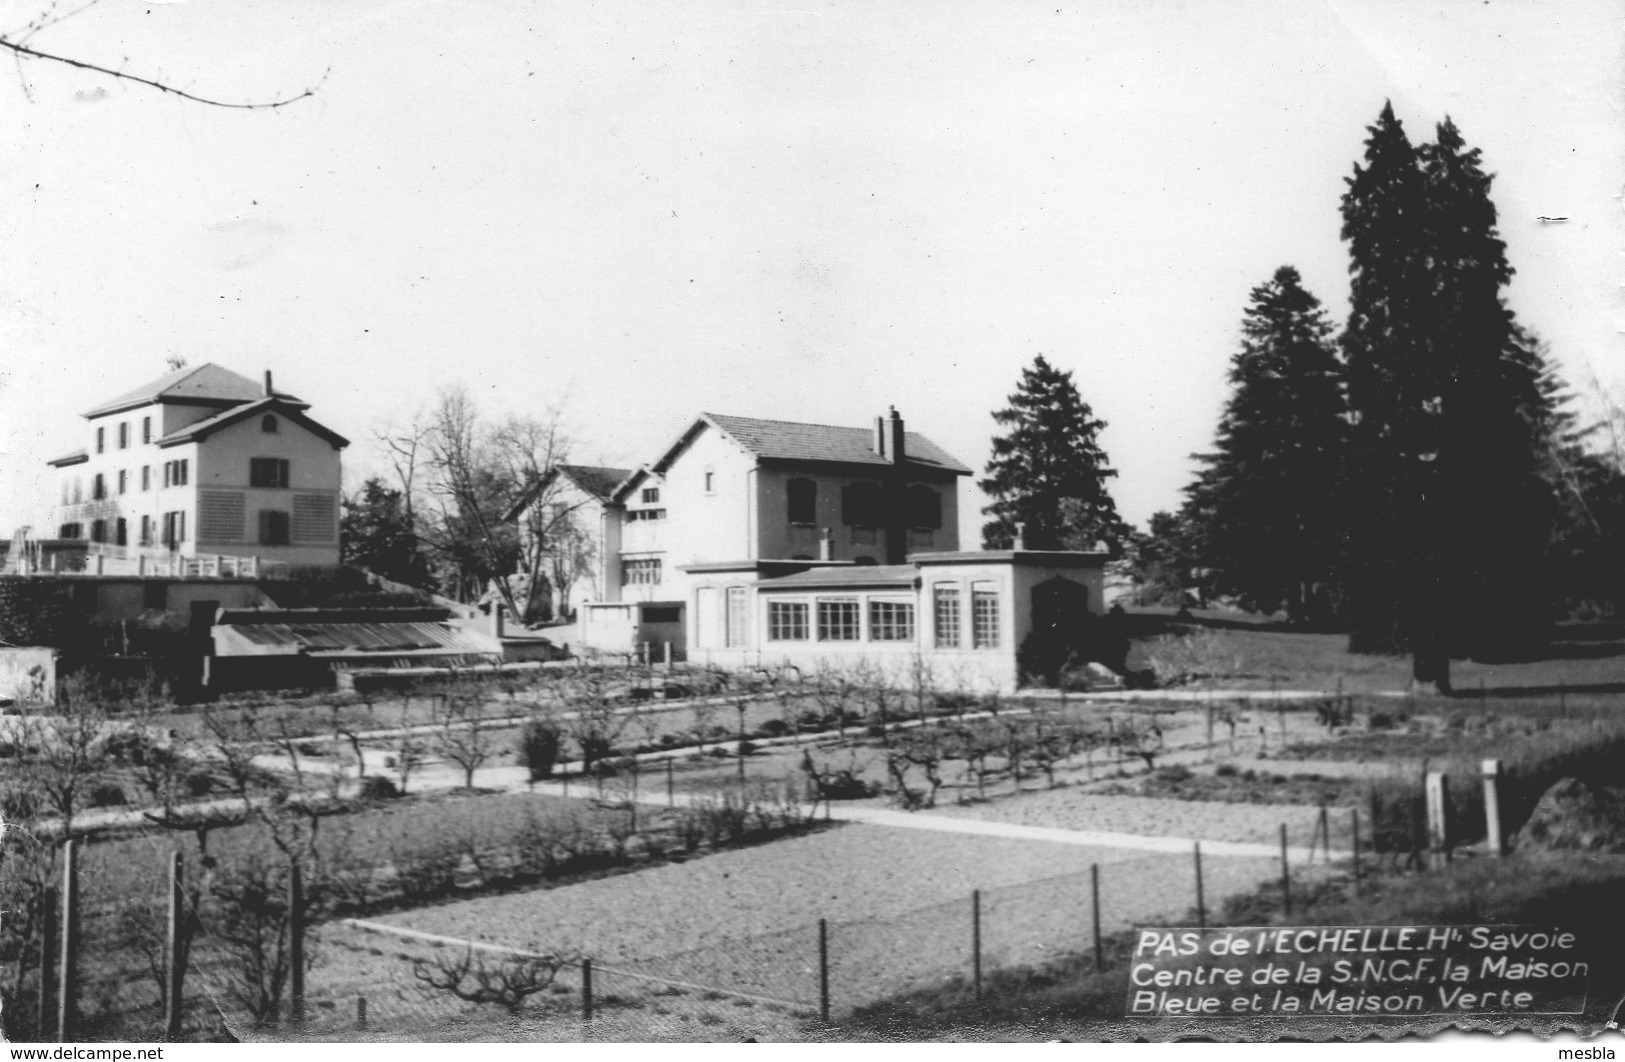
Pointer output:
x,y
203,383
781,440
285,407
597,480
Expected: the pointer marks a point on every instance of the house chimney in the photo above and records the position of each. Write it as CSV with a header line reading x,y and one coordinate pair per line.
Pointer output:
x,y
268,391
880,436
496,616
1019,542
826,545
894,434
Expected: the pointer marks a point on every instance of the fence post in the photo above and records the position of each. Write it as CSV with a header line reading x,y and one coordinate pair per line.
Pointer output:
x,y
976,940
586,990
47,961
1376,823
173,960
1094,902
1280,714
1201,906
1286,876
68,966
1354,822
360,1012
1492,806
296,944
671,784
1325,833
823,970
1438,796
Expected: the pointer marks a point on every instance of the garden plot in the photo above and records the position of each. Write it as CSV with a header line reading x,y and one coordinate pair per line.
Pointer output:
x,y
898,902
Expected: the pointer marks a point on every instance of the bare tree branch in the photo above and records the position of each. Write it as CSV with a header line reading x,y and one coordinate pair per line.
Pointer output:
x,y
23,51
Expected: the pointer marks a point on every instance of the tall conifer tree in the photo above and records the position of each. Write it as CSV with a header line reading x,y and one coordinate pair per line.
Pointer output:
x,y
1048,473
1452,418
1269,499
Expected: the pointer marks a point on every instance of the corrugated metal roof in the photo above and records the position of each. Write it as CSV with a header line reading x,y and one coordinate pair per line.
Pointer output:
x,y
857,576
788,441
362,637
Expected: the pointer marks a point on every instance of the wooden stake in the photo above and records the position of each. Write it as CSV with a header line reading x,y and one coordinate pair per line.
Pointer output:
x,y
1094,902
174,958
1286,876
1492,807
47,961
586,990
296,944
823,970
1438,797
68,966
1354,825
976,940
1201,906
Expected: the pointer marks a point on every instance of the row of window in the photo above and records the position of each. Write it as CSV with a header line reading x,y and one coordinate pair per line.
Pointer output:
x,y
836,619
275,527
262,472
173,524
862,504
268,424
123,434
640,571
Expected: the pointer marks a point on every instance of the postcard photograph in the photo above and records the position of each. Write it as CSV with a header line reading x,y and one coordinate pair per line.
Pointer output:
x,y
841,522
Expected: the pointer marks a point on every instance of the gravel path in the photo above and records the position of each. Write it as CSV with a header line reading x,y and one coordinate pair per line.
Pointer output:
x,y
1072,809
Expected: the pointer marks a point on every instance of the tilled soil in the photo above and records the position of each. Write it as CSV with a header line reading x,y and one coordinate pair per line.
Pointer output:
x,y
898,904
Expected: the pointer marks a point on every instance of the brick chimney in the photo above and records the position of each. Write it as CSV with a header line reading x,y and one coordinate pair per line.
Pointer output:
x,y
880,436
894,436
268,391
826,545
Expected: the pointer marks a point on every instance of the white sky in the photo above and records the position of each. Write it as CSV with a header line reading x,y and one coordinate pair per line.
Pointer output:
x,y
809,212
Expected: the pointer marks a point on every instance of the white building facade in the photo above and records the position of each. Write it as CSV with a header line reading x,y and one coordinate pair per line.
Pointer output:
x,y
764,543
204,461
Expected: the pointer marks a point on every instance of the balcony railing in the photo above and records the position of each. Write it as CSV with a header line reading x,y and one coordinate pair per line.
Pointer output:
x,y
105,559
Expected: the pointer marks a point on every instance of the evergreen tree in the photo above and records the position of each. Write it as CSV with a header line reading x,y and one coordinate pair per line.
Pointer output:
x,y
1269,500
1048,473
1454,414
1391,399
376,533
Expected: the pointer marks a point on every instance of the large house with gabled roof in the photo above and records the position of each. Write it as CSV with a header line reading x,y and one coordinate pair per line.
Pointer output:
x,y
752,542
203,461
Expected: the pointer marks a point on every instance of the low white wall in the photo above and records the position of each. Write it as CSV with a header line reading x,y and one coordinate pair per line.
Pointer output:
x,y
969,672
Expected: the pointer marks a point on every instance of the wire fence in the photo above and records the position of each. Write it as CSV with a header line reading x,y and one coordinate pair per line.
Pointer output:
x,y
249,971
778,986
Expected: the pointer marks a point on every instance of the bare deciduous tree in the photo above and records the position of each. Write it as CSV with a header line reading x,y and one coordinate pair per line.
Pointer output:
x,y
18,43
508,982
